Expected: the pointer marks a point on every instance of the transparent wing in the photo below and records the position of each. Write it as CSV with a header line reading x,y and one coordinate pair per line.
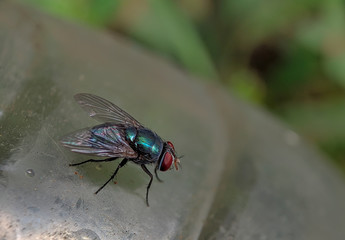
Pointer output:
x,y
104,111
102,141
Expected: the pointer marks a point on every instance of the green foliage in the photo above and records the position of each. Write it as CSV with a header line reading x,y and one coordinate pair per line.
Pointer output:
x,y
288,55
295,70
165,28
93,12
246,84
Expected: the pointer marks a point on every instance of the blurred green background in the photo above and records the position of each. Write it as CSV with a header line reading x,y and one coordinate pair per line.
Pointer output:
x,y
287,56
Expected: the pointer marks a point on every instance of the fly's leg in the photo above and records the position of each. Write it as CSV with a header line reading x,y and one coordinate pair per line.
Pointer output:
x,y
92,160
122,163
148,186
157,176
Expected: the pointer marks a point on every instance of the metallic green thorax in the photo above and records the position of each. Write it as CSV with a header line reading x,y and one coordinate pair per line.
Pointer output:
x,y
145,141
131,133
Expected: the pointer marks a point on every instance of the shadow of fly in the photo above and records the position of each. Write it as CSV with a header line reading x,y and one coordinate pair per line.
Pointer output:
x,y
119,136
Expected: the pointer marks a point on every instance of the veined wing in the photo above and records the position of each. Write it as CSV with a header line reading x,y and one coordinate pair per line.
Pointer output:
x,y
104,111
103,140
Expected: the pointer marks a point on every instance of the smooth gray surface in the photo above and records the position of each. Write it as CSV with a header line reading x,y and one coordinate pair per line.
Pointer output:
x,y
244,176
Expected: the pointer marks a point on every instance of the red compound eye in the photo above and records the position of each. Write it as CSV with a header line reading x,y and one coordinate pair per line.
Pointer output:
x,y
167,161
171,145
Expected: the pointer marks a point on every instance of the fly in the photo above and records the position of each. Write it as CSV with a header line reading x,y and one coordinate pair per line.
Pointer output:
x,y
119,136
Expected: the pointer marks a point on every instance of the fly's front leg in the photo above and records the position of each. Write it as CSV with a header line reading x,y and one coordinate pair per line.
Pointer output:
x,y
160,180
148,186
93,160
122,163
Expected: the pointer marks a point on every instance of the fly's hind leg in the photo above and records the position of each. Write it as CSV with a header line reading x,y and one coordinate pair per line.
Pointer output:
x,y
93,160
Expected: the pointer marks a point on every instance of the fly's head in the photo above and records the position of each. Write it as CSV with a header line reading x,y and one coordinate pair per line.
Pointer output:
x,y
169,159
